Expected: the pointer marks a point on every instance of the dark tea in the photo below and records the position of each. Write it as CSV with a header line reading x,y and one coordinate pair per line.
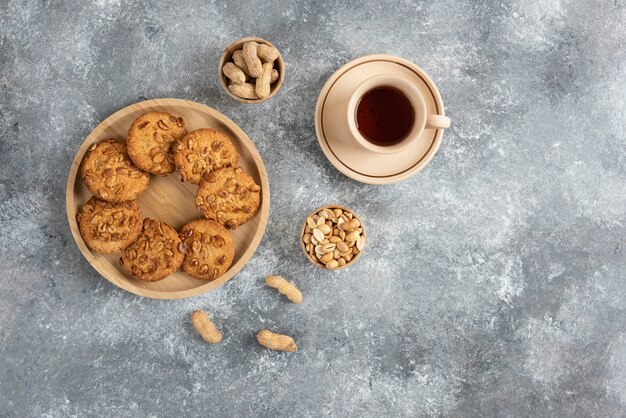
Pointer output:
x,y
384,116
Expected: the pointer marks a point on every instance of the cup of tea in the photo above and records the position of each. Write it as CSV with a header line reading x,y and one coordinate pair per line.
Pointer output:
x,y
387,113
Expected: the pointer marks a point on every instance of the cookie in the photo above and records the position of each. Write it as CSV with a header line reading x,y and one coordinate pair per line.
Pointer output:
x,y
202,151
109,228
229,196
109,173
157,253
209,249
150,140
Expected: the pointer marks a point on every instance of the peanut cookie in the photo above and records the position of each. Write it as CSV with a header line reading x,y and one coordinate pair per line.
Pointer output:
x,y
108,227
202,151
150,139
109,173
209,248
157,253
229,196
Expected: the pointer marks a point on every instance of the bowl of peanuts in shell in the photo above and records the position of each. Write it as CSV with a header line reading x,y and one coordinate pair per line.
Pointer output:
x,y
251,70
332,237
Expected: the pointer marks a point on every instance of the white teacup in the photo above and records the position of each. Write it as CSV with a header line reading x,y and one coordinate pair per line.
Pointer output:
x,y
423,120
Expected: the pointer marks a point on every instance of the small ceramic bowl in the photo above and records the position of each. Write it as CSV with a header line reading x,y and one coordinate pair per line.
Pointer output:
x,y
307,230
227,55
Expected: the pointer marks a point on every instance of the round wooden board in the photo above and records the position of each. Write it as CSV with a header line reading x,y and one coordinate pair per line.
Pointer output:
x,y
170,200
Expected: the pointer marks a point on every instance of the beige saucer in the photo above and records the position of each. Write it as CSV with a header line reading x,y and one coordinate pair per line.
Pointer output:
x,y
337,142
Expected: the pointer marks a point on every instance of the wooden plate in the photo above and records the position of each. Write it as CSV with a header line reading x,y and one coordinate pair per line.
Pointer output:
x,y
171,200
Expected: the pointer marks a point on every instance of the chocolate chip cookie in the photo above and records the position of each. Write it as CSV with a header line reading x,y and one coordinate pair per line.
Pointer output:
x,y
109,228
202,151
157,253
109,173
229,196
150,139
209,249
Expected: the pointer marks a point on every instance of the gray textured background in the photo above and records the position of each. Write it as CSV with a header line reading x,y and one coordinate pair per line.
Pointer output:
x,y
493,282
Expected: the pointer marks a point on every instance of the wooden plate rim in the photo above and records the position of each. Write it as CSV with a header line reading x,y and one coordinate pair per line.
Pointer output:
x,y
263,210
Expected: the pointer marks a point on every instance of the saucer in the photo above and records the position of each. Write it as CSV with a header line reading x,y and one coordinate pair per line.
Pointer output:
x,y
338,144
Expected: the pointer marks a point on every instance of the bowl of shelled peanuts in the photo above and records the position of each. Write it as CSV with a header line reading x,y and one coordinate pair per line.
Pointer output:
x,y
251,70
332,237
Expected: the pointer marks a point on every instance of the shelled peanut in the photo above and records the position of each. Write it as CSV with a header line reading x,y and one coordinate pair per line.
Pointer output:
x,y
333,237
251,72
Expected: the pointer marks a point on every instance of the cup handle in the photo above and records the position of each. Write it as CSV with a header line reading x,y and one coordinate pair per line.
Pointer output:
x,y
437,122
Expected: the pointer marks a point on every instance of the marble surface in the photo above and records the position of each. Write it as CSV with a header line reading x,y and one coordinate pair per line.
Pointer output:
x,y
493,281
